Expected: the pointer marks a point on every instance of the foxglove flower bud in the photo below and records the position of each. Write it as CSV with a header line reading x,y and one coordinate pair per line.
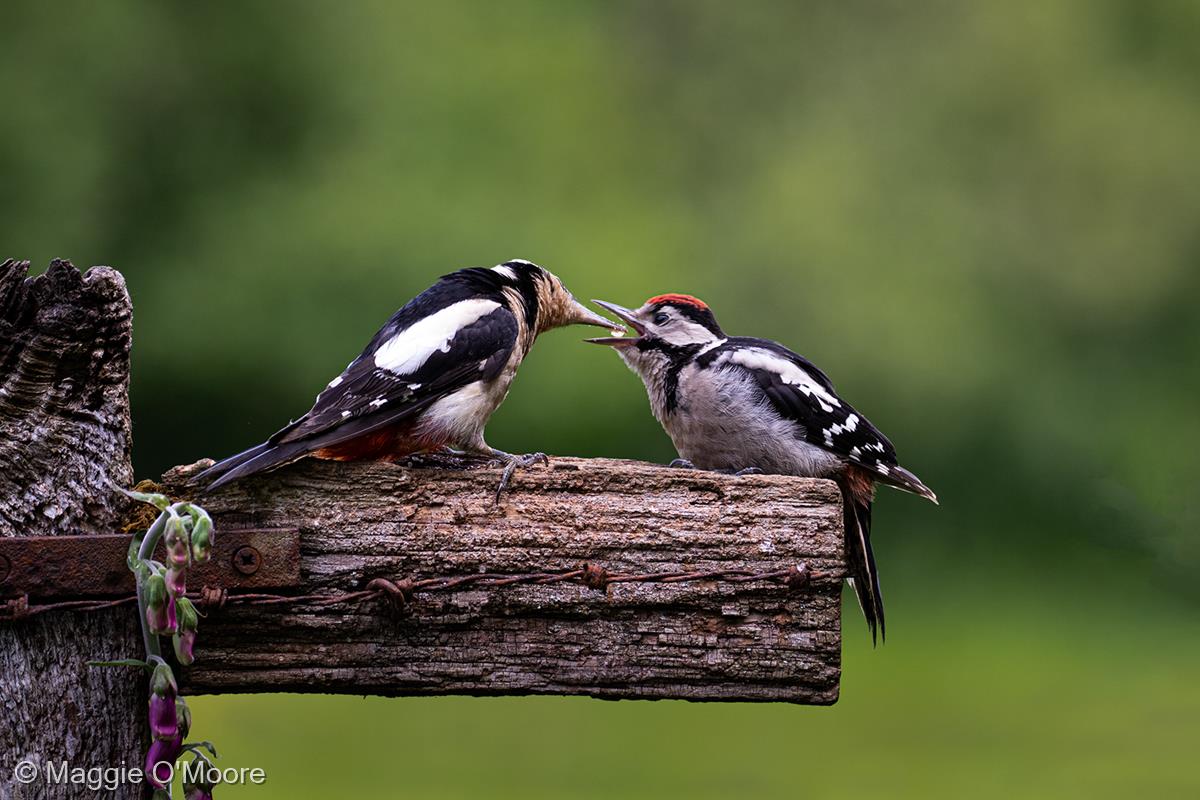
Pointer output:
x,y
176,540
185,638
202,539
184,714
160,761
184,643
164,715
172,615
201,788
177,581
162,681
197,792
157,599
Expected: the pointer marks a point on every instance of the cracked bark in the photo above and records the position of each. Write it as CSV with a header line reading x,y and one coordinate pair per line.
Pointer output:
x,y
65,430
710,640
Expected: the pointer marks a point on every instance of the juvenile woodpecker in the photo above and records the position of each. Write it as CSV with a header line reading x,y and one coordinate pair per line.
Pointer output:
x,y
430,378
741,405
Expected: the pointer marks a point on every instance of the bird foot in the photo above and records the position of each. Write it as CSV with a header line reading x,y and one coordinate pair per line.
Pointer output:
x,y
683,463
512,464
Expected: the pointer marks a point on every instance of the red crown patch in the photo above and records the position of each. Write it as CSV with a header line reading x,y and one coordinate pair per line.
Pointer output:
x,y
684,299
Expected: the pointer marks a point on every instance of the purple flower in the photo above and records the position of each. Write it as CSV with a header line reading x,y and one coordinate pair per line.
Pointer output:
x,y
160,761
172,617
176,541
184,643
177,581
178,554
164,717
185,637
156,618
159,612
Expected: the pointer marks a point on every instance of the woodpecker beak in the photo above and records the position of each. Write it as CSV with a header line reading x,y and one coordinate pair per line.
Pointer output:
x,y
581,315
625,315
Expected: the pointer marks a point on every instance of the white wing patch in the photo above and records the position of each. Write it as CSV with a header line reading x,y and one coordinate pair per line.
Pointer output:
x,y
405,352
846,427
789,373
506,272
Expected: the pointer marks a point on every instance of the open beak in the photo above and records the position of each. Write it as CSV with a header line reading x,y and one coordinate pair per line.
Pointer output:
x,y
585,316
625,315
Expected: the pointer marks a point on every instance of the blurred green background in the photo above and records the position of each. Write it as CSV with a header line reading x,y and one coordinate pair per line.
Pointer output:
x,y
979,218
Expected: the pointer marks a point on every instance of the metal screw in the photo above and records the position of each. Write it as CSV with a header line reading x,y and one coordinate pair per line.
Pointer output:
x,y
5,568
247,560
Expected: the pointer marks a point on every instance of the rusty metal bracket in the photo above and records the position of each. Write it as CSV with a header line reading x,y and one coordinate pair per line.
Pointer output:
x,y
94,566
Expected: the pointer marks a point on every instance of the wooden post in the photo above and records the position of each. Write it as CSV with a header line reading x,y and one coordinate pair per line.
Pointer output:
x,y
706,639
64,432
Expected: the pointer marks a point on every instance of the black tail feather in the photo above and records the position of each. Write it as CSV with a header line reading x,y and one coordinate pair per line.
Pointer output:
x,y
860,561
901,478
257,459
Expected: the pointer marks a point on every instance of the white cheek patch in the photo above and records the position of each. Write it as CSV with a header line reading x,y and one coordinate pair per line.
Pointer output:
x,y
683,332
405,352
789,373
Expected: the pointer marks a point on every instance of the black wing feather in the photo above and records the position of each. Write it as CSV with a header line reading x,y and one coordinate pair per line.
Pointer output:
x,y
826,427
368,398
838,428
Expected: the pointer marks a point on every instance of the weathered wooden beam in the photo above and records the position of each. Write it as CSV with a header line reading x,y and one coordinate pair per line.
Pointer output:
x,y
699,640
64,433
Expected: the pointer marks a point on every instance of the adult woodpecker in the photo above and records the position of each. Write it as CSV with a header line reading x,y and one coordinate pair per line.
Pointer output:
x,y
430,378
740,405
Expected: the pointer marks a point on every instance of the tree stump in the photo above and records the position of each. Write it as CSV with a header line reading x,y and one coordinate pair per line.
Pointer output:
x,y
64,433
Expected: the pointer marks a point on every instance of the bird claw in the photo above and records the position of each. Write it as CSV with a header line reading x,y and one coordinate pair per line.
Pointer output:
x,y
513,463
681,463
749,471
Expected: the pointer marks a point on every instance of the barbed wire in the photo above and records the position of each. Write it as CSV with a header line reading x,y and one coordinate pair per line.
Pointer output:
x,y
400,593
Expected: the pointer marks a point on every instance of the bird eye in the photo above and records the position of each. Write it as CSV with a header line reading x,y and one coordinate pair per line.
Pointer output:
x,y
661,318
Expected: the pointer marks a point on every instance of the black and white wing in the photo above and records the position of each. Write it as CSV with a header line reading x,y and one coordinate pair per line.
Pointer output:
x,y
801,392
416,359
